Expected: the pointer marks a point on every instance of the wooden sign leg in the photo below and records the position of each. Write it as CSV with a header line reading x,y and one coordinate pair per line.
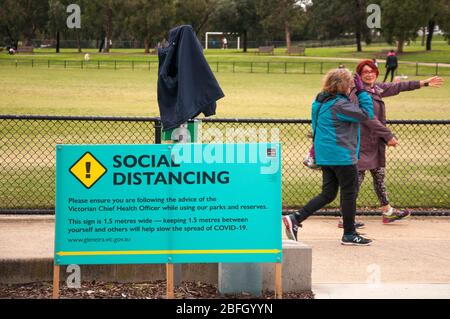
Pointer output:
x,y
56,281
278,282
169,277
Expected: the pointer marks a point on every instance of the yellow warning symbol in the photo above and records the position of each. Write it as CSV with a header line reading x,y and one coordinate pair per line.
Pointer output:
x,y
88,170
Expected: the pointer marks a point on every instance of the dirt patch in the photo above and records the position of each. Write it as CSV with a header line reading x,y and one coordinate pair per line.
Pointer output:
x,y
151,290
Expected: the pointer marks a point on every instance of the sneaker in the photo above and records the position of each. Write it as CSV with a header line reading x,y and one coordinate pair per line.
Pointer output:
x,y
358,224
396,215
355,240
291,226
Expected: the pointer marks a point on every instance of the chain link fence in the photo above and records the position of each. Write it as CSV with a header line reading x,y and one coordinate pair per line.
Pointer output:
x,y
418,170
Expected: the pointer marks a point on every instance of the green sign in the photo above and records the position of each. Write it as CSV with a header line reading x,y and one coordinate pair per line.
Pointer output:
x,y
182,203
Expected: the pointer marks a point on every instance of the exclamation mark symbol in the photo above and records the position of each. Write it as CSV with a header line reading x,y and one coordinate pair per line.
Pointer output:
x,y
88,169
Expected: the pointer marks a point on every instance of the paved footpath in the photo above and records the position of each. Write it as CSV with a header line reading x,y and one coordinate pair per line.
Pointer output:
x,y
408,258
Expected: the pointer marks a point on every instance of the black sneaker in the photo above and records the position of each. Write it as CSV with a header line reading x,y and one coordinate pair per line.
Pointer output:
x,y
355,240
291,226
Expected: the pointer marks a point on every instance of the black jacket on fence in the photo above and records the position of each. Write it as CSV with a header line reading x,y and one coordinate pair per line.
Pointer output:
x,y
186,84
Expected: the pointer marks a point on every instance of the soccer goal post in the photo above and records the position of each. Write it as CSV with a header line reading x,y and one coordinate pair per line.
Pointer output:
x,y
209,34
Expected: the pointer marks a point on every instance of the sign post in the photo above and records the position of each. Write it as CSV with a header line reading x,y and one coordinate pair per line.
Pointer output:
x,y
167,204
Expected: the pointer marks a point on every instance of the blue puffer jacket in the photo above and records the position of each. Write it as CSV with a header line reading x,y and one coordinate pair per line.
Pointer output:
x,y
335,122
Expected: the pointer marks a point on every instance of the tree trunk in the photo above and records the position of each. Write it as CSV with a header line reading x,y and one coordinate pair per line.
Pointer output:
x,y
400,44
423,36
358,41
102,44
57,42
78,41
244,35
108,29
147,46
431,25
358,17
287,31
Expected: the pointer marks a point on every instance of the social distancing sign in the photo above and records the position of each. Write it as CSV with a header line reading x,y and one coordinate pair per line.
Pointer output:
x,y
183,203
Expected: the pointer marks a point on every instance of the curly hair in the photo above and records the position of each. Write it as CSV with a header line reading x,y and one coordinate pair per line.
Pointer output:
x,y
337,81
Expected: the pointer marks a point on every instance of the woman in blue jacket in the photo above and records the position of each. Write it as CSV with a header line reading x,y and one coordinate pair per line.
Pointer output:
x,y
335,122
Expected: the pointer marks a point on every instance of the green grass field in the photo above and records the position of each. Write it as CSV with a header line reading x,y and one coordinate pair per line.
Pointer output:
x,y
124,92
105,92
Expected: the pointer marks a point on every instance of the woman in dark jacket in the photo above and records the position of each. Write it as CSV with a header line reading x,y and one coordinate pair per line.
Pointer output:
x,y
375,135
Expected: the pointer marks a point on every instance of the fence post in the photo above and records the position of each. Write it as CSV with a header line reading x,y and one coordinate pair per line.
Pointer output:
x,y
217,66
158,127
98,64
285,67
115,64
268,67
48,61
65,64
149,65
81,64
417,68
304,67
233,66
437,68
32,63
16,64
251,67
132,65
321,67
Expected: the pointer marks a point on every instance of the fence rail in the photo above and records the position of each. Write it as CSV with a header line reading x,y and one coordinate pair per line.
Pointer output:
x,y
307,67
418,172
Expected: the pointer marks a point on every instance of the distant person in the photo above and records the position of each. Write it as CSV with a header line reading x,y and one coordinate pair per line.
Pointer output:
x,y
341,66
335,123
224,43
391,65
375,62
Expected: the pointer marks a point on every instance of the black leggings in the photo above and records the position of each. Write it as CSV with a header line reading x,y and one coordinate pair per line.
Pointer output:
x,y
335,177
392,71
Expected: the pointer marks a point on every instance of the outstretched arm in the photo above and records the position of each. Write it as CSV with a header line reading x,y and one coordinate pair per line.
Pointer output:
x,y
390,89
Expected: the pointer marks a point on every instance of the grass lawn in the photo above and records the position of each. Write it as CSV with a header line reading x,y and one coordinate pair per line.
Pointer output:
x,y
105,92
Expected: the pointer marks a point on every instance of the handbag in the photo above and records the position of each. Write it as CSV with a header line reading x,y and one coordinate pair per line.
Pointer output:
x,y
310,159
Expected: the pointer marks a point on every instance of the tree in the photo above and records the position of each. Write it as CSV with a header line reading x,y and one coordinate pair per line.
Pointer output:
x,y
194,12
56,19
400,20
333,18
151,20
236,17
437,12
22,19
282,14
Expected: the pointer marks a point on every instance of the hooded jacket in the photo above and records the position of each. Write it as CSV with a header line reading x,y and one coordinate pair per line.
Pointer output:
x,y
186,84
335,122
374,133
